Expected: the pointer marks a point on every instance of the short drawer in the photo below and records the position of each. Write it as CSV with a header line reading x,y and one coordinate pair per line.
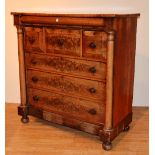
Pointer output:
x,y
33,39
94,44
67,106
71,86
81,68
63,41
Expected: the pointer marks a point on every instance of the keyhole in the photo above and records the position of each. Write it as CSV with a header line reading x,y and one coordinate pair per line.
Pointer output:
x,y
57,20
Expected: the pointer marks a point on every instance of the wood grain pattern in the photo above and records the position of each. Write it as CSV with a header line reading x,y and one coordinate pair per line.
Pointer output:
x,y
62,20
124,60
95,44
68,106
109,82
59,64
33,39
63,41
71,86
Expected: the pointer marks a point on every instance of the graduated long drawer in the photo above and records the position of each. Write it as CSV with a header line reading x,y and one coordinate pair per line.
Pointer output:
x,y
68,106
64,84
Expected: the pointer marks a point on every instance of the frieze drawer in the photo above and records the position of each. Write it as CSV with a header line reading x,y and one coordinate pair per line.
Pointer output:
x,y
62,20
75,67
71,86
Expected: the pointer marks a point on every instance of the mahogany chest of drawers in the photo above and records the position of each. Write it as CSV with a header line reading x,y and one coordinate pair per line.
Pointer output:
x,y
77,70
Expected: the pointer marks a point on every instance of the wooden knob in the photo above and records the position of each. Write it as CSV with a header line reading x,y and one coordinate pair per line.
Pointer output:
x,y
49,40
92,70
36,98
33,61
92,45
60,42
31,39
34,79
92,111
92,90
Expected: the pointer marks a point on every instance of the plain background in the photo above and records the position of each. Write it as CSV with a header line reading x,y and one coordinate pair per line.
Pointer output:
x,y
141,86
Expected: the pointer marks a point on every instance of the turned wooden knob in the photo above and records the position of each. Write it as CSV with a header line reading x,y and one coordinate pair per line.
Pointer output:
x,y
33,61
92,45
92,111
31,39
60,42
49,40
92,70
34,79
92,90
36,98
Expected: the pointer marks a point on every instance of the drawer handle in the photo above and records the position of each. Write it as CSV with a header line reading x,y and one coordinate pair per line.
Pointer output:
x,y
36,98
92,70
92,90
31,40
34,79
60,42
34,62
92,111
92,45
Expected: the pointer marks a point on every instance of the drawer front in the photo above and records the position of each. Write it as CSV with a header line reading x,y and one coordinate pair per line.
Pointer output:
x,y
33,39
63,41
69,106
72,86
94,44
62,20
82,68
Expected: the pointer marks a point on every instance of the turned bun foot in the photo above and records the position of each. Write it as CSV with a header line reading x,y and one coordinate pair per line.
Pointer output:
x,y
126,128
24,119
107,146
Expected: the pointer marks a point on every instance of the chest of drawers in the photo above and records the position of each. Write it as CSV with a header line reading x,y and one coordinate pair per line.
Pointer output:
x,y
77,70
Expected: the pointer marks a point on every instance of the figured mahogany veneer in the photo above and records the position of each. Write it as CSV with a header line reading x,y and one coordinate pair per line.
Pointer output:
x,y
33,39
63,41
77,87
88,111
95,44
69,66
77,70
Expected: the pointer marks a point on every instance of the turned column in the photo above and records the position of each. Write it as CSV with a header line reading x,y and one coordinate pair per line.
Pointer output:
x,y
109,81
108,128
22,74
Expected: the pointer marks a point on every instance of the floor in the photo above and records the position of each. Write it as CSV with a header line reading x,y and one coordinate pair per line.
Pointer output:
x,y
42,138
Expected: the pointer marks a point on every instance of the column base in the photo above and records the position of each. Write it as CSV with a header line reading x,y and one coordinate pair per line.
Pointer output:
x,y
23,111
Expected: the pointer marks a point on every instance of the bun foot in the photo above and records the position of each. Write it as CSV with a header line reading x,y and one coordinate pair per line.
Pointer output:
x,y
126,128
24,119
107,146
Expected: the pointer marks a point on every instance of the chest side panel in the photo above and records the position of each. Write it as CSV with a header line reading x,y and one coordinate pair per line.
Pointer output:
x,y
124,61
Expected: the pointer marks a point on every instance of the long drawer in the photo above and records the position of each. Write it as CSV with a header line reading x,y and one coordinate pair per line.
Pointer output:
x,y
81,68
69,85
68,106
